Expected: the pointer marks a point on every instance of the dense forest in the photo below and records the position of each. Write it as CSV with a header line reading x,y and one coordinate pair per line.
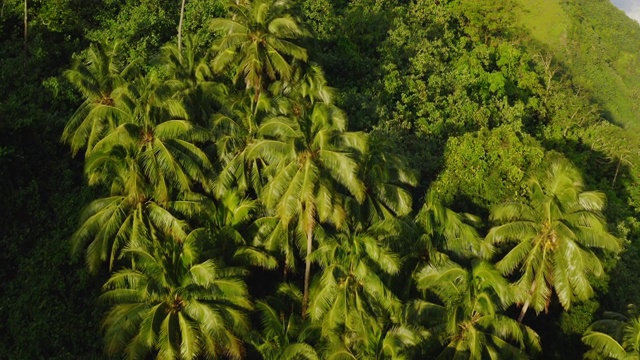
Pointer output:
x,y
319,179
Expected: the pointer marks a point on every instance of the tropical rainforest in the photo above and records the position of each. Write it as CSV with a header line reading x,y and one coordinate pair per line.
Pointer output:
x,y
319,179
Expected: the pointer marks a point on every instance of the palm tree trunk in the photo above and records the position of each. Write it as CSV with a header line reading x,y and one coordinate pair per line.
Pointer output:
x,y
256,99
615,176
525,307
307,274
180,26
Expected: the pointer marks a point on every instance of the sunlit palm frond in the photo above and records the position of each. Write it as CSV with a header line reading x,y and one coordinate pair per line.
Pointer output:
x,y
179,309
556,231
259,40
469,323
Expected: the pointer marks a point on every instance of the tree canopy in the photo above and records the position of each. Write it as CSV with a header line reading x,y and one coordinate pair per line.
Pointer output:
x,y
318,179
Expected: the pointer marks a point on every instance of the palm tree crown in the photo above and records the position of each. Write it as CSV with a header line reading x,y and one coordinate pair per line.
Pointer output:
x,y
309,162
555,233
469,322
360,315
259,41
97,78
172,304
149,161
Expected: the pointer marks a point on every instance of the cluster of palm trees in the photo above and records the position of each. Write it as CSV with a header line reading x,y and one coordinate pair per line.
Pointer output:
x,y
223,162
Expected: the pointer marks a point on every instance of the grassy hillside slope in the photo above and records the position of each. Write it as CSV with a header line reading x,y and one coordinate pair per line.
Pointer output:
x,y
598,44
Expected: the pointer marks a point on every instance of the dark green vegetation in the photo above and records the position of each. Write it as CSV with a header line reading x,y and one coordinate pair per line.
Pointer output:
x,y
319,179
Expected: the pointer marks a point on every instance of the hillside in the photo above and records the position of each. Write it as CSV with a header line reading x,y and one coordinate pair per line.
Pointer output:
x,y
598,44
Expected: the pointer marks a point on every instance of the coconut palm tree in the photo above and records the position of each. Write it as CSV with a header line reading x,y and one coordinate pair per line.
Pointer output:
x,y
110,224
393,342
310,162
235,130
150,163
259,42
468,320
285,335
614,337
199,93
556,230
159,140
387,181
360,315
444,231
97,77
237,126
234,231
173,305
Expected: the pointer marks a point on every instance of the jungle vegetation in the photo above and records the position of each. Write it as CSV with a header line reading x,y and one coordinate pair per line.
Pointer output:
x,y
319,179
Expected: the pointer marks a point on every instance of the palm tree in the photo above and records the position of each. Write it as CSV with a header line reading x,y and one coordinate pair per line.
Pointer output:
x,y
614,337
444,231
172,304
360,315
164,155
258,41
284,334
97,78
468,319
110,224
237,126
150,163
393,342
310,162
199,94
387,180
140,119
234,231
236,129
555,232
306,85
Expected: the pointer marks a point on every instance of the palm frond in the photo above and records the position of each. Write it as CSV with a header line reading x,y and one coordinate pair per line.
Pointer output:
x,y
604,344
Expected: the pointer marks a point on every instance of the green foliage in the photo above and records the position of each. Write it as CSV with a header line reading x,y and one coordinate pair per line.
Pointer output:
x,y
48,300
283,337
175,305
467,319
198,13
258,42
142,26
614,337
488,167
556,232
578,319
485,19
232,159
